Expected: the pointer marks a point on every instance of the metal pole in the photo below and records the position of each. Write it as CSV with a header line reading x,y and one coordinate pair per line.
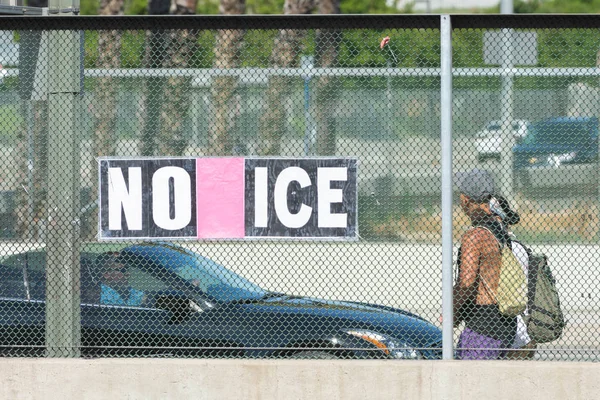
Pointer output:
x,y
27,110
506,133
62,258
390,149
307,66
446,136
307,135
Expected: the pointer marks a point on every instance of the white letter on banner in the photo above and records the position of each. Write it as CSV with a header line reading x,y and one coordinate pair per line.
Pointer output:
x,y
326,195
182,196
281,208
130,201
261,202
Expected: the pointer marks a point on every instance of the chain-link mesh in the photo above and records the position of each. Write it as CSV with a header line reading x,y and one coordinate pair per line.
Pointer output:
x,y
536,130
524,108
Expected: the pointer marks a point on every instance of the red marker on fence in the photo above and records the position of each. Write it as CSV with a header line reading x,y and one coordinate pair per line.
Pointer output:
x,y
383,43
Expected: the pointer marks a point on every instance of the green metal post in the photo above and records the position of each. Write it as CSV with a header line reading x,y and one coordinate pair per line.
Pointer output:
x,y
63,335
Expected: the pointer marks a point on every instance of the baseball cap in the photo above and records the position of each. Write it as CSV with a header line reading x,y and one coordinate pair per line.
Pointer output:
x,y
477,184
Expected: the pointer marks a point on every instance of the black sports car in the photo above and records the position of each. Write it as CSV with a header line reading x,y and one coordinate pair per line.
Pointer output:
x,y
179,303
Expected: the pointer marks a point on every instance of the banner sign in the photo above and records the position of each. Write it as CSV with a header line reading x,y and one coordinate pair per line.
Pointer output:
x,y
227,198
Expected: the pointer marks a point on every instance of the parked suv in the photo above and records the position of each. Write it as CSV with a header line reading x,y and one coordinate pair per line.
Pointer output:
x,y
558,152
558,141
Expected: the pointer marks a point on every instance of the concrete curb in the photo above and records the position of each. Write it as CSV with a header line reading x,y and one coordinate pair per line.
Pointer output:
x,y
295,379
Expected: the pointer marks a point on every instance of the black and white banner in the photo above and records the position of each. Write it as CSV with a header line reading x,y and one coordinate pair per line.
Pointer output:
x,y
228,198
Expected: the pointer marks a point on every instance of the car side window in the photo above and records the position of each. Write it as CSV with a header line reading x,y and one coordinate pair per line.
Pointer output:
x,y
12,284
23,277
141,280
128,286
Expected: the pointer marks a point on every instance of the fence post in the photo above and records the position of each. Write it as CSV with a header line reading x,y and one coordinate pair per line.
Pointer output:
x,y
62,256
446,137
507,187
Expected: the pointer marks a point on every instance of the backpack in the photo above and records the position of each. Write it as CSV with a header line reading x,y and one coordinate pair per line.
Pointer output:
x,y
512,286
545,322
512,292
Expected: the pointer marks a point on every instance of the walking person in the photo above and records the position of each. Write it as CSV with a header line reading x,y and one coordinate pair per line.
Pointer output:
x,y
487,333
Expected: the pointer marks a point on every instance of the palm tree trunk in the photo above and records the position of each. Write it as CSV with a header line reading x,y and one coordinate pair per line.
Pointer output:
x,y
105,96
155,48
156,42
327,48
109,54
32,140
227,45
284,55
180,49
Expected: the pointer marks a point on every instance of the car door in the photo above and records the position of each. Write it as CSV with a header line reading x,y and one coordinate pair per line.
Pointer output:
x,y
22,320
154,327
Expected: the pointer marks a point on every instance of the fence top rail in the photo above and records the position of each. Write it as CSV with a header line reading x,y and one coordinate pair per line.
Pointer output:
x,y
340,21
211,22
525,21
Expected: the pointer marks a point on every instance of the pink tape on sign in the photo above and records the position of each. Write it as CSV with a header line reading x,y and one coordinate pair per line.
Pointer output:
x,y
220,198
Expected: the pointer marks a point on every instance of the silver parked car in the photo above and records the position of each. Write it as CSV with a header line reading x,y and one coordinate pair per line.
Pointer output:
x,y
488,141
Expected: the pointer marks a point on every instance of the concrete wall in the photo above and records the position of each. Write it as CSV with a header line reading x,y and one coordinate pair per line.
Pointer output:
x,y
295,379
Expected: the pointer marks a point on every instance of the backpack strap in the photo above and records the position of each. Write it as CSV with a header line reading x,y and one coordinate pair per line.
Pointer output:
x,y
482,279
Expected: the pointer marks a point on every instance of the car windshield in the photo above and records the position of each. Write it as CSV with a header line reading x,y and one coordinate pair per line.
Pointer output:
x,y
558,133
211,277
493,126
516,125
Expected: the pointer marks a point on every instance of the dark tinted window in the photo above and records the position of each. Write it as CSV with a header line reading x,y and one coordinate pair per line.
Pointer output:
x,y
31,263
34,263
11,282
493,126
560,133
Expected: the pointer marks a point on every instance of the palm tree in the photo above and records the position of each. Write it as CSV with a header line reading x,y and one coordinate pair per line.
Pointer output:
x,y
109,56
156,42
179,51
326,49
285,55
32,140
227,45
105,95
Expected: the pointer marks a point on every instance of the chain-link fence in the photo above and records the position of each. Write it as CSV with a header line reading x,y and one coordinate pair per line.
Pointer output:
x,y
78,90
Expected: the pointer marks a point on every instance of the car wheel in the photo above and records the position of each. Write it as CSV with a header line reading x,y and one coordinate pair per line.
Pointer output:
x,y
314,355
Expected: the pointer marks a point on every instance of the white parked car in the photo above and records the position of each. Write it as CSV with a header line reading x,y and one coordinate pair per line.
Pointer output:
x,y
488,142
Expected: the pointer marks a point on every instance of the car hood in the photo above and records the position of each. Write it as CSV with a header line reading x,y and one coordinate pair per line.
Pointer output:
x,y
336,316
547,148
537,154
